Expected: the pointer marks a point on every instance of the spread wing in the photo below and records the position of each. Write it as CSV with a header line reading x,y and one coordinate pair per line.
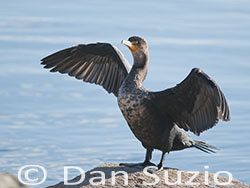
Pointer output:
x,y
196,104
99,63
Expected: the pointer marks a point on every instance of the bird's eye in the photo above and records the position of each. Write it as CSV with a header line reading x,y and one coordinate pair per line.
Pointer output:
x,y
135,42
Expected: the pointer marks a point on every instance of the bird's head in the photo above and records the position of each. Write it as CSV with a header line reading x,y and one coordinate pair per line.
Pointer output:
x,y
135,44
139,49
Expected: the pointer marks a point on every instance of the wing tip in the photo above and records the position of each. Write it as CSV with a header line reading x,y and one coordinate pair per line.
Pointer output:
x,y
226,115
226,118
43,59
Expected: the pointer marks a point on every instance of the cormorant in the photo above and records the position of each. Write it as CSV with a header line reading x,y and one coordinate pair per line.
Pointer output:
x,y
158,119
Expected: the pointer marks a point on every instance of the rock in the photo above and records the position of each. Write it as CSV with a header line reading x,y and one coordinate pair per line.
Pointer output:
x,y
9,181
104,174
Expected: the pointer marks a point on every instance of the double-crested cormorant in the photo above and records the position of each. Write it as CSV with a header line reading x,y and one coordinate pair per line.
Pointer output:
x,y
158,119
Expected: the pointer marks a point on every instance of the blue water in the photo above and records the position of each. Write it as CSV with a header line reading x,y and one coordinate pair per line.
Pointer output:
x,y
53,120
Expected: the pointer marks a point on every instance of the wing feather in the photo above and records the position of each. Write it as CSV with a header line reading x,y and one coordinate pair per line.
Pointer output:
x,y
99,78
97,74
108,78
113,78
93,73
81,73
99,63
55,63
88,71
105,74
196,104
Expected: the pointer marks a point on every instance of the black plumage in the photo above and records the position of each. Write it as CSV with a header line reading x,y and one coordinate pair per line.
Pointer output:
x,y
158,119
99,63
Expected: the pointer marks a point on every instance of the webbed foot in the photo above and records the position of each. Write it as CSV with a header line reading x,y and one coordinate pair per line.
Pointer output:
x,y
154,169
138,165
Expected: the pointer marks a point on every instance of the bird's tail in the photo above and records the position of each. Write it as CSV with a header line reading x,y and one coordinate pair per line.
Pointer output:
x,y
204,147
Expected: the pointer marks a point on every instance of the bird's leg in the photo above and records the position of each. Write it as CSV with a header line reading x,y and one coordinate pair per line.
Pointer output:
x,y
144,164
159,166
148,158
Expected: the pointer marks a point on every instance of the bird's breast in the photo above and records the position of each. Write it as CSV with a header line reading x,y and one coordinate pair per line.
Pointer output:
x,y
130,101
141,116
134,110
130,104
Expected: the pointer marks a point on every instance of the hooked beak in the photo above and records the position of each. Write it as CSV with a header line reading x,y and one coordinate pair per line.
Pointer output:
x,y
130,45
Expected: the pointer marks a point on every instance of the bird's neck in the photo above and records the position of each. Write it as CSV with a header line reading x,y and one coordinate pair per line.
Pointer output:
x,y
139,70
